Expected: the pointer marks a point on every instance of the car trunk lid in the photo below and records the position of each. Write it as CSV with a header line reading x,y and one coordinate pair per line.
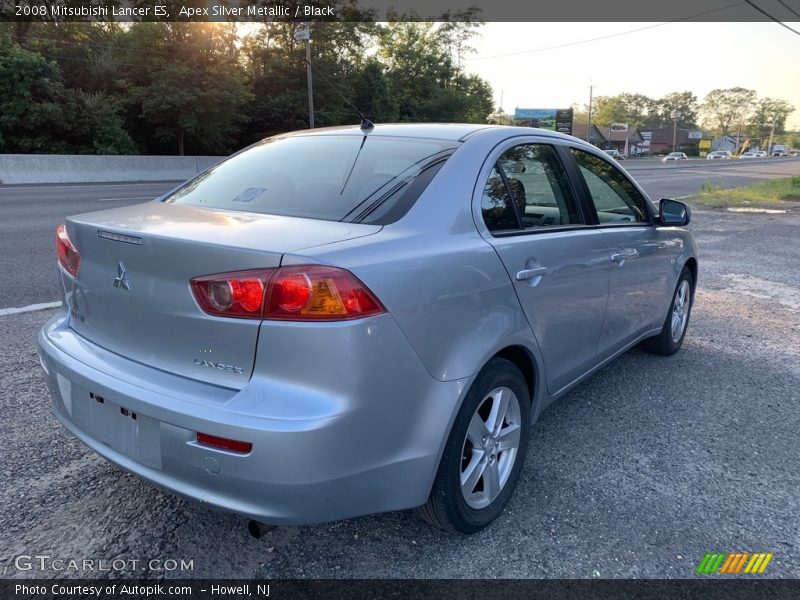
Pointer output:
x,y
132,293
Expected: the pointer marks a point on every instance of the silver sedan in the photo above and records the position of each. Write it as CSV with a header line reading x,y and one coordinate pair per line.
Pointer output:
x,y
347,321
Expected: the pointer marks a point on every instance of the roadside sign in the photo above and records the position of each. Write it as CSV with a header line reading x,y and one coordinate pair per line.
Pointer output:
x,y
554,119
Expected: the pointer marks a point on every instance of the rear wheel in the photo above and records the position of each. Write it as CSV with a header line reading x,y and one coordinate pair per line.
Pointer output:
x,y
674,330
484,453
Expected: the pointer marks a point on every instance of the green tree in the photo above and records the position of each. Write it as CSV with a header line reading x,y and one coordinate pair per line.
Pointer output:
x,y
769,113
38,114
623,108
190,90
685,103
725,110
424,78
372,94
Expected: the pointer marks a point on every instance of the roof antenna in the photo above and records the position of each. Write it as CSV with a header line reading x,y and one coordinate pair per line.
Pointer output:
x,y
366,124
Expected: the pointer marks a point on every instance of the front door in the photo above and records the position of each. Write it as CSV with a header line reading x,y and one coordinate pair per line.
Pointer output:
x,y
640,267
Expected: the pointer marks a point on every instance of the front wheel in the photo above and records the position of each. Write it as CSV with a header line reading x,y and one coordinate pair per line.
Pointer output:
x,y
669,341
484,453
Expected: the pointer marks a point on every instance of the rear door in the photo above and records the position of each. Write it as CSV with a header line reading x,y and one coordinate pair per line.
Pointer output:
x,y
639,255
558,263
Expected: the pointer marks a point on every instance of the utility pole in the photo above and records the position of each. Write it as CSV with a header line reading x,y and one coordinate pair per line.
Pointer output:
x,y
674,114
589,128
305,35
771,133
738,134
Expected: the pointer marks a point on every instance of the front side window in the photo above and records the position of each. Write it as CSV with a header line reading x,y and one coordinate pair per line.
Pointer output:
x,y
528,189
615,198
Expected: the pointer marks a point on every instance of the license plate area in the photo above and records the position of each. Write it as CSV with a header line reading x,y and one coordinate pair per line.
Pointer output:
x,y
118,427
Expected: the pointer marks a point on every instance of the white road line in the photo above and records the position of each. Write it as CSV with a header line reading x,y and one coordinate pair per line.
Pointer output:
x,y
12,187
121,199
4,312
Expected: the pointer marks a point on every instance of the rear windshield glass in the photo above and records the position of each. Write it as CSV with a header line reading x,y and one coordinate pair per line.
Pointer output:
x,y
338,178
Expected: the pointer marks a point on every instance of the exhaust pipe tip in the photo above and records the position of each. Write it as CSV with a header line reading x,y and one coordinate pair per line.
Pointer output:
x,y
258,529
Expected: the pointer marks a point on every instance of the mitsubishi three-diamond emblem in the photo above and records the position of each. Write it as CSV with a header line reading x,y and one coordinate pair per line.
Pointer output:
x,y
120,281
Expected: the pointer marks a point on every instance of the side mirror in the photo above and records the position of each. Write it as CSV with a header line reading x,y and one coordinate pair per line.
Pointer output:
x,y
673,213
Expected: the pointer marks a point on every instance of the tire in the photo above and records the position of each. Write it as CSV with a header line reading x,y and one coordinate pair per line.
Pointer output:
x,y
494,459
669,341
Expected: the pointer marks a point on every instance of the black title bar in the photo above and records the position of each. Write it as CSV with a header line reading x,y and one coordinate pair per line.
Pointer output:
x,y
381,10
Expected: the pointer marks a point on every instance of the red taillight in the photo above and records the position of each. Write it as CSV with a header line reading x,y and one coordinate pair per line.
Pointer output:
x,y
239,294
224,443
300,293
68,256
317,293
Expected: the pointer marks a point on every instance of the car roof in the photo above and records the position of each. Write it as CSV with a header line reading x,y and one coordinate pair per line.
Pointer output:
x,y
440,131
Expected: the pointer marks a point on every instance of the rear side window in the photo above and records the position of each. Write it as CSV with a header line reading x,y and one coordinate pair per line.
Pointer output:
x,y
330,177
498,213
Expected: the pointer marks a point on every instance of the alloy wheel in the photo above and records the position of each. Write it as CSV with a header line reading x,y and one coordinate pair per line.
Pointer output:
x,y
490,447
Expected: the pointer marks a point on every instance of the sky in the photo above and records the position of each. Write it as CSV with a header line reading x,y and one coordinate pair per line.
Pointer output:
x,y
654,59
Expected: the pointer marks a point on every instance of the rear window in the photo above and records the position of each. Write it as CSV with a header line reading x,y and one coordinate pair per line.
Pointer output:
x,y
337,178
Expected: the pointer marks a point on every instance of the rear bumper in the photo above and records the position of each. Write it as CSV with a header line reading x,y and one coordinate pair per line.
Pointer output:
x,y
319,453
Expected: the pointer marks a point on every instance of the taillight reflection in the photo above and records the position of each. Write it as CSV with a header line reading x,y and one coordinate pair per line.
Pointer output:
x,y
68,256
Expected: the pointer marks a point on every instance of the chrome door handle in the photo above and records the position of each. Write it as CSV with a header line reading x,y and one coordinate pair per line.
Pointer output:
x,y
530,273
626,254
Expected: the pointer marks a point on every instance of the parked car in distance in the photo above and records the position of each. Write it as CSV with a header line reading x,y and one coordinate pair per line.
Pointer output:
x,y
615,154
674,156
719,154
346,321
749,155
760,153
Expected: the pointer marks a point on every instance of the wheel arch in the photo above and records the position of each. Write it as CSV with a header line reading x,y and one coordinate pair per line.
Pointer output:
x,y
691,264
522,358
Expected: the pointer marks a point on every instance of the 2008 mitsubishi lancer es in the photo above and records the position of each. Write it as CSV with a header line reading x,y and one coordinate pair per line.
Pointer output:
x,y
346,321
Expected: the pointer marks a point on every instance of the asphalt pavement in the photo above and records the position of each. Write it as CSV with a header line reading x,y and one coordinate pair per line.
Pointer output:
x,y
29,215
681,179
638,472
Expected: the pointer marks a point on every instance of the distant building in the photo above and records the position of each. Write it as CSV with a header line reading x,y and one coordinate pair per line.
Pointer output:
x,y
661,141
628,142
595,135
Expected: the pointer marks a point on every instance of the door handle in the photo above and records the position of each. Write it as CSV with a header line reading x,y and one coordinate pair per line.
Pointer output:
x,y
530,273
624,255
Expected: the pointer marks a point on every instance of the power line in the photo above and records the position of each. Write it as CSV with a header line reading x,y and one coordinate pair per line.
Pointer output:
x,y
123,49
609,36
763,12
789,8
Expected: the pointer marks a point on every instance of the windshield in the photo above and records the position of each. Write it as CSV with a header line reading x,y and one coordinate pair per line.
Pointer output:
x,y
331,177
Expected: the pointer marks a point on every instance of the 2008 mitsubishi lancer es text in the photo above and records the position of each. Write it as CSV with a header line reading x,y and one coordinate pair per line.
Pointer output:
x,y
347,321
